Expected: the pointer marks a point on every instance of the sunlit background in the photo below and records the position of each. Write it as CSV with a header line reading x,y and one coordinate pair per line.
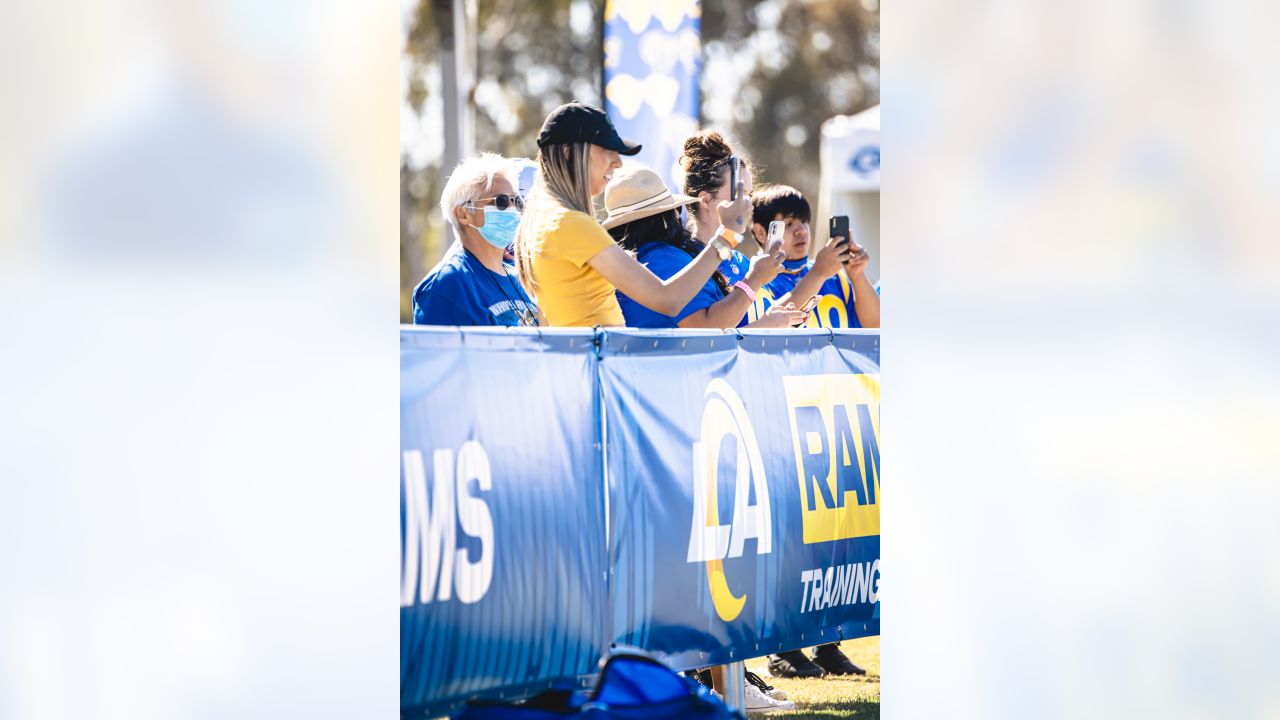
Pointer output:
x,y
198,511
1080,360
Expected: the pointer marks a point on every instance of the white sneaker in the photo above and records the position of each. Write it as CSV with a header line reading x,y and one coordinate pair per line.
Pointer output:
x,y
758,702
773,692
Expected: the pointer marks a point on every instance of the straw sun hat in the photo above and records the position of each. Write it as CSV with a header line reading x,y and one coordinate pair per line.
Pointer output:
x,y
637,192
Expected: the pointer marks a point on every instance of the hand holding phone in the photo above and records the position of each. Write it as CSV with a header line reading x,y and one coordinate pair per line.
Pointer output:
x,y
781,316
735,214
777,229
857,261
801,316
830,258
767,263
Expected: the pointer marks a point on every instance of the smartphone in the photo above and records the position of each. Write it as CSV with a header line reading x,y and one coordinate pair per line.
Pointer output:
x,y
733,177
839,226
776,229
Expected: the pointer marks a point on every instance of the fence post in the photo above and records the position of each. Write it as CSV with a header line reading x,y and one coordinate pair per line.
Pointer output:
x,y
735,681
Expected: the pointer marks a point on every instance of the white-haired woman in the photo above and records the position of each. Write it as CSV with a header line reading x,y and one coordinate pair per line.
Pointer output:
x,y
472,285
567,260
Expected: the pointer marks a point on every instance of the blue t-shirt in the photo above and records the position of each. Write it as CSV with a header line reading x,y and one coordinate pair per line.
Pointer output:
x,y
835,297
460,290
666,260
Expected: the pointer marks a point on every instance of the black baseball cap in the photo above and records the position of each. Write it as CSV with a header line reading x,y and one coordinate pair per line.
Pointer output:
x,y
574,122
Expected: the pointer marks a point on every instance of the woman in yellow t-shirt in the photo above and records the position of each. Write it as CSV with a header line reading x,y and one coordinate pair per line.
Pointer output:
x,y
567,260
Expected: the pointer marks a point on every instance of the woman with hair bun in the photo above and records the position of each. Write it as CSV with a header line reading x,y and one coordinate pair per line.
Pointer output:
x,y
706,161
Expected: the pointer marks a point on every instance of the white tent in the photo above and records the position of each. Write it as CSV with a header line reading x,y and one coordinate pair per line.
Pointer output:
x,y
849,182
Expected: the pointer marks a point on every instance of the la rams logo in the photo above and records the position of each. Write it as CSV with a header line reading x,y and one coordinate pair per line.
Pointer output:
x,y
724,416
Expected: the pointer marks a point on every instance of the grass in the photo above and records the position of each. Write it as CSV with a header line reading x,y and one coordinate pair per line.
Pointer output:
x,y
832,698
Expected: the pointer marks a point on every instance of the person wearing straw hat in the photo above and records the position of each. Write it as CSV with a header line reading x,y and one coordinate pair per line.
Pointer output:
x,y
643,217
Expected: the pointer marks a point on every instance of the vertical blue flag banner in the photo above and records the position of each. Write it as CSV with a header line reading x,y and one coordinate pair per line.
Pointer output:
x,y
652,58
705,496
502,514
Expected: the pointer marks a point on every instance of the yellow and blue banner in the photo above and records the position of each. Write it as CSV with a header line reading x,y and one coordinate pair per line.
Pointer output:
x,y
652,60
744,481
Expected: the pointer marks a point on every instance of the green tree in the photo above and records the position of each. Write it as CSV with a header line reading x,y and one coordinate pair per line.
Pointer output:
x,y
531,57
805,60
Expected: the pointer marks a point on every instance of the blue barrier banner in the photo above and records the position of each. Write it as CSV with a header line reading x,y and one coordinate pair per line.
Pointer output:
x,y
503,576
744,490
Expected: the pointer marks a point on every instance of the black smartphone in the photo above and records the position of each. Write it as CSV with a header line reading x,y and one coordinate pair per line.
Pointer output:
x,y
733,177
840,227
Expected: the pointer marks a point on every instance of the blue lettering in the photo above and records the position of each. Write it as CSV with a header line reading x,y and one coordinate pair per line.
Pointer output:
x,y
870,452
816,465
847,476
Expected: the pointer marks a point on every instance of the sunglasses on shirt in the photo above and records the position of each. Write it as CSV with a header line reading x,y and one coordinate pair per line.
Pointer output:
x,y
501,201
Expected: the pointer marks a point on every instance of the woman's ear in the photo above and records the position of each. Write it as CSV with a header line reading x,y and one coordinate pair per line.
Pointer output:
x,y
758,231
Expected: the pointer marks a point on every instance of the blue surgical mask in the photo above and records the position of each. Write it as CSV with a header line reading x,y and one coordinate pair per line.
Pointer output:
x,y
499,227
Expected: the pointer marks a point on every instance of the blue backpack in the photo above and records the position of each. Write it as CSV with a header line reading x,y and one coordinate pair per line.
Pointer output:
x,y
632,685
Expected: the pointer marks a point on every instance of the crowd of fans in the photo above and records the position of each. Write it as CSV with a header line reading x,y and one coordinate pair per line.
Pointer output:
x,y
659,259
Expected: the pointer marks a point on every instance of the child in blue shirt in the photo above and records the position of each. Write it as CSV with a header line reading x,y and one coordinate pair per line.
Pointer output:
x,y
836,277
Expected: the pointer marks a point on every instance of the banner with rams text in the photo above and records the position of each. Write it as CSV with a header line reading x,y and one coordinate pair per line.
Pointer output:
x,y
744,483
741,518
502,538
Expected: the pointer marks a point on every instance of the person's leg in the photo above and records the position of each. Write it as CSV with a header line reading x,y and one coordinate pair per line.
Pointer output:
x,y
717,679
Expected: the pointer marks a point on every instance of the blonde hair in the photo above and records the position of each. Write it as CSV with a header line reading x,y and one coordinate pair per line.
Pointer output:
x,y
563,181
